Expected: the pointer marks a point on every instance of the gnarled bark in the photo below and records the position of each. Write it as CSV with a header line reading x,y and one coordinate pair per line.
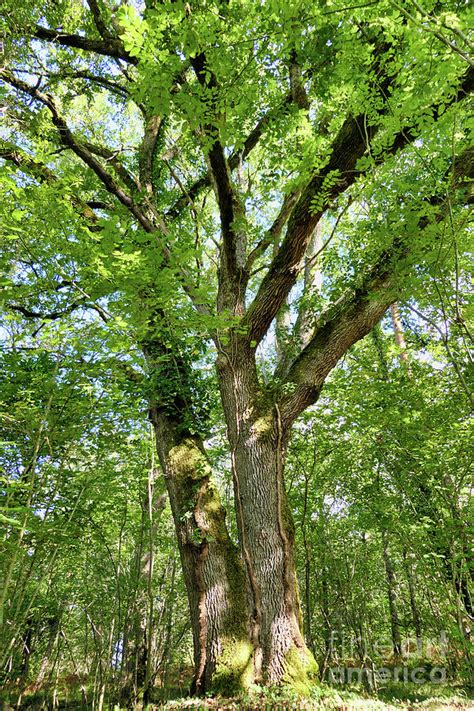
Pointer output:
x,y
213,573
266,531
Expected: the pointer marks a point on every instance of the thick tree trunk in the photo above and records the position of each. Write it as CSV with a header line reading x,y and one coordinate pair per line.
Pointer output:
x,y
213,573
265,525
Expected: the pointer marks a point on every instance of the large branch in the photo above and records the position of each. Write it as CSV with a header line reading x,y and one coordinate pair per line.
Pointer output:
x,y
203,182
150,138
109,47
358,311
55,315
68,140
352,318
153,131
275,230
112,158
41,172
349,146
17,156
232,254
99,20
303,328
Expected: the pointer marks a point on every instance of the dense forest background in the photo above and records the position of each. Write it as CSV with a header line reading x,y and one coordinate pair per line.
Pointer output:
x,y
283,191
382,528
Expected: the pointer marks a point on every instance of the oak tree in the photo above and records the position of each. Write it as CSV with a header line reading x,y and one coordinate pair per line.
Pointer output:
x,y
179,170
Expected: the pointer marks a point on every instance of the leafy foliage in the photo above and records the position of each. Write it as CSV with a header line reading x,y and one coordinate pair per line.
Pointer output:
x,y
164,168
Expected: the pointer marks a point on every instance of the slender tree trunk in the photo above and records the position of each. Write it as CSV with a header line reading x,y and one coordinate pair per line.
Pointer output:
x,y
53,634
105,668
213,573
400,337
152,506
27,642
266,531
131,636
415,613
324,547
162,667
307,569
392,598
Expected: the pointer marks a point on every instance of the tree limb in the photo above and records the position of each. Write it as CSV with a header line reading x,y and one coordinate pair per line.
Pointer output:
x,y
356,312
352,318
232,256
249,144
99,20
23,161
274,232
101,81
349,146
67,139
112,157
49,316
147,152
110,47
17,156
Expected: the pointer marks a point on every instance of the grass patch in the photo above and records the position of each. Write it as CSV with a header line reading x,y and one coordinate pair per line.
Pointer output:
x,y
432,697
393,696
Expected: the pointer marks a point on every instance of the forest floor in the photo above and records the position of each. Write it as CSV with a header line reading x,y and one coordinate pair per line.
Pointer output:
x,y
390,698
